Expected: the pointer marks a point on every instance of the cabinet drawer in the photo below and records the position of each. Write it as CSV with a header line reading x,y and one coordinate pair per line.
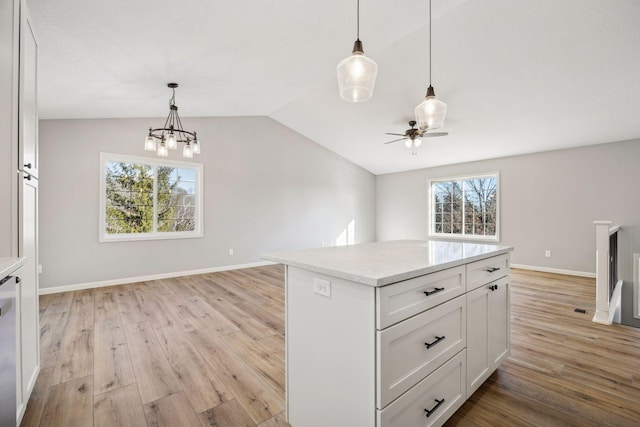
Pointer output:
x,y
401,300
486,270
446,385
412,349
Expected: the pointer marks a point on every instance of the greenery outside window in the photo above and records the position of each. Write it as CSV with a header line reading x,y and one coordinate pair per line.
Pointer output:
x,y
464,207
144,199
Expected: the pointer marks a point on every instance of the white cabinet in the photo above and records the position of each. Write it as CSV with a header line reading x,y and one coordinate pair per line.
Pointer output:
x,y
487,331
29,317
28,104
401,354
28,330
19,177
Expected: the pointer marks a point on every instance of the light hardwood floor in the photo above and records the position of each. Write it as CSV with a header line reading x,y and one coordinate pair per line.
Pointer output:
x,y
208,350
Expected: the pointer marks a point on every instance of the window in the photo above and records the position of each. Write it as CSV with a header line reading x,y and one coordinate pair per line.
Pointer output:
x,y
465,207
143,199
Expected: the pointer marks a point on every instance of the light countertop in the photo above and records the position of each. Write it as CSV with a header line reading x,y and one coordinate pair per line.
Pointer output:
x,y
8,265
382,263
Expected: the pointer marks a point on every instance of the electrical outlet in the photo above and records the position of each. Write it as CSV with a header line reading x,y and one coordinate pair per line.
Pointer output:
x,y
547,253
230,251
39,268
322,287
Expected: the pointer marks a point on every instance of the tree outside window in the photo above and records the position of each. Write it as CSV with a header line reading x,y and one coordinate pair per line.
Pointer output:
x,y
146,199
464,207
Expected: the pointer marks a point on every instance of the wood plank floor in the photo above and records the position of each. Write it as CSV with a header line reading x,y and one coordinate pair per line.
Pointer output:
x,y
208,350
203,350
564,370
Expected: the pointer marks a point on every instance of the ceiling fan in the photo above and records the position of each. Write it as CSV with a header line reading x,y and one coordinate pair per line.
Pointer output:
x,y
413,137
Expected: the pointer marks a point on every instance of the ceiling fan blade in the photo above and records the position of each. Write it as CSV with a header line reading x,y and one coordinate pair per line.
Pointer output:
x,y
395,140
433,134
397,134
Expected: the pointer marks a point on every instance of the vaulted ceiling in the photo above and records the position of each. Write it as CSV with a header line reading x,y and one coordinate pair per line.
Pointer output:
x,y
519,76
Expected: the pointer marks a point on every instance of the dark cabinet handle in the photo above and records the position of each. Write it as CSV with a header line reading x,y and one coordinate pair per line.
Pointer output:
x,y
27,165
492,269
18,280
432,410
434,291
431,344
493,287
27,177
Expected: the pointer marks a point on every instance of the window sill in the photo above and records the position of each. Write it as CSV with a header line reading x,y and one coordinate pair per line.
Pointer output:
x,y
145,237
490,239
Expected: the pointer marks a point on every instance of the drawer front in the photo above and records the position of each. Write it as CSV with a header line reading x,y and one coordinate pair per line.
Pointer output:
x,y
401,300
441,393
486,270
412,349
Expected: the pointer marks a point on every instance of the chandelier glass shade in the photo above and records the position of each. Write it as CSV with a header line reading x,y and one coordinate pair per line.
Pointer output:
x,y
166,138
431,112
357,73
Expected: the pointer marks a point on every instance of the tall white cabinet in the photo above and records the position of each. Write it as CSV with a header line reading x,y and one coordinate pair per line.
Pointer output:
x,y
28,208
19,184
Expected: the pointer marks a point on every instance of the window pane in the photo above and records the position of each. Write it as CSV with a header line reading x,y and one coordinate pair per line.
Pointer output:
x,y
128,187
117,226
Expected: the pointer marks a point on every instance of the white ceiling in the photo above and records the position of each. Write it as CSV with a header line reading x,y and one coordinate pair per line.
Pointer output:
x,y
519,76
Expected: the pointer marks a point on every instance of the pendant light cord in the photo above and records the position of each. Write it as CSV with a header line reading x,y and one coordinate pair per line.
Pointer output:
x,y
429,42
358,22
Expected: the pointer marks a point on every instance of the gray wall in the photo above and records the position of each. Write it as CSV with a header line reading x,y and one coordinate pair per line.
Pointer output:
x,y
547,201
266,188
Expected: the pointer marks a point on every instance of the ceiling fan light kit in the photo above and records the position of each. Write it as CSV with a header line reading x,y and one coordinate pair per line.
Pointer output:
x,y
412,137
431,112
166,138
357,73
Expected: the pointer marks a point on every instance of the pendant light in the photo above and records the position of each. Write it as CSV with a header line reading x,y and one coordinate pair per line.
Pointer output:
x,y
172,133
357,73
431,112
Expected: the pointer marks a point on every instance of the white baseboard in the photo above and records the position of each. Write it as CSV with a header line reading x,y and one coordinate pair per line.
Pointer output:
x,y
555,270
125,280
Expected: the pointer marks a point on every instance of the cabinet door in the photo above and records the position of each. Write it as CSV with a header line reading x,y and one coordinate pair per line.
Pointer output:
x,y
28,110
499,314
487,331
29,336
478,361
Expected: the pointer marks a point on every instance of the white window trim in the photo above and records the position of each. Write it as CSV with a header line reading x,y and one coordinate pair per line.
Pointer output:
x,y
449,236
103,237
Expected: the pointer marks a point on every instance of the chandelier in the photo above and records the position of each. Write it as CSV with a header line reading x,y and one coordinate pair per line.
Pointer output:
x,y
166,138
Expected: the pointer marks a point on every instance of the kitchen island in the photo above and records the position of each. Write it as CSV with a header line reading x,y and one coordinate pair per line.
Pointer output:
x,y
392,333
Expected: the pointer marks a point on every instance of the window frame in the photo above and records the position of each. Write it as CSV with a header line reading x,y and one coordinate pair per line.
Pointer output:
x,y
103,237
450,236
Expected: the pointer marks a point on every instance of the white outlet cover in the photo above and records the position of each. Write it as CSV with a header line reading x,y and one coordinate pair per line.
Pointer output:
x,y
322,287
